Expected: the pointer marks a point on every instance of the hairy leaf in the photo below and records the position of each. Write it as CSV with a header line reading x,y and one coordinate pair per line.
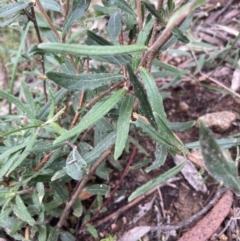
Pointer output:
x,y
115,25
12,8
160,157
83,81
221,169
141,95
155,182
153,94
75,165
123,125
51,5
21,211
84,50
95,114
125,7
79,7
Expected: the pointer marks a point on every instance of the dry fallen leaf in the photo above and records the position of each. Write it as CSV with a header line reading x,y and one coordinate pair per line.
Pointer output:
x,y
207,226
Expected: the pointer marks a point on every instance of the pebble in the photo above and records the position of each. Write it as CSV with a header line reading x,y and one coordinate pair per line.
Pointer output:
x,y
221,120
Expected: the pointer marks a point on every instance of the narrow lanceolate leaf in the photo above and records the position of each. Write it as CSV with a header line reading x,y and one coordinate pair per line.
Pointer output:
x,y
141,95
21,211
181,126
12,8
95,114
151,8
29,98
160,136
160,157
115,25
93,50
79,7
153,94
141,39
221,169
102,146
124,6
83,81
25,109
123,125
75,165
156,181
98,189
32,138
168,134
8,22
51,5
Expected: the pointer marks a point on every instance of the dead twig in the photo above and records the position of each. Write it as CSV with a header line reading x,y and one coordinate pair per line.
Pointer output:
x,y
184,223
133,203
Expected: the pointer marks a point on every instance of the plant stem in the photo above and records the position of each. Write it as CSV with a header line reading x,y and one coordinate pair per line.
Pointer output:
x,y
139,15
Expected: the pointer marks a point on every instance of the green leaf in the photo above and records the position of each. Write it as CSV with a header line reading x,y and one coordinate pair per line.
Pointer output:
x,y
32,138
43,146
8,22
220,169
141,39
167,67
151,8
181,126
12,8
98,40
100,148
18,103
123,125
83,81
171,5
156,181
21,211
95,114
51,5
66,236
180,35
185,25
224,143
11,150
54,234
75,165
30,101
85,50
105,10
115,25
6,164
160,157
160,136
124,6
77,208
42,230
58,97
141,95
168,134
153,94
92,231
98,189
78,9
